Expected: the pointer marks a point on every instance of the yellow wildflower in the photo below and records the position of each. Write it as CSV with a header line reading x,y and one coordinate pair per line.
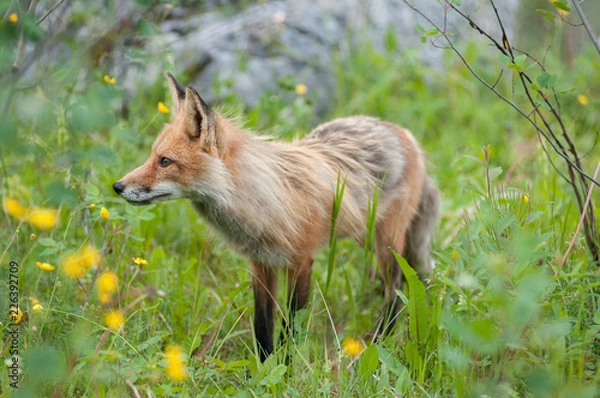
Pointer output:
x,y
104,297
175,369
162,108
525,198
139,261
37,307
104,213
301,89
108,282
455,255
90,257
73,267
353,346
34,300
43,218
17,316
92,206
32,237
13,18
582,99
114,320
109,80
45,266
13,208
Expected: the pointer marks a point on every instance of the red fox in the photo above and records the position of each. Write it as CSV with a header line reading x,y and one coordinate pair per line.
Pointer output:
x,y
272,201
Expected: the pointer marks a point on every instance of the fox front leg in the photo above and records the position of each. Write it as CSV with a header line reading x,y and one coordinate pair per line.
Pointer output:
x,y
264,285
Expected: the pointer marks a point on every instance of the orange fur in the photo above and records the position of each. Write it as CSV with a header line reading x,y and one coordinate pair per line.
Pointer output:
x,y
272,201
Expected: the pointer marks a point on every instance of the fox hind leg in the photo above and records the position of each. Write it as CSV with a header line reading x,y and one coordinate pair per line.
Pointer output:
x,y
392,279
298,292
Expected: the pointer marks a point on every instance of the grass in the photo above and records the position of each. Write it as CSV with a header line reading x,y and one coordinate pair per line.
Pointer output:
x,y
502,316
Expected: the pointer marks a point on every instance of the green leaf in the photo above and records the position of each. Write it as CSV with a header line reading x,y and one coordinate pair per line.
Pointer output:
x,y
546,80
47,242
568,90
495,172
535,87
368,362
58,193
337,204
561,6
92,190
411,351
543,104
530,66
432,32
386,358
504,59
516,67
420,28
520,59
418,311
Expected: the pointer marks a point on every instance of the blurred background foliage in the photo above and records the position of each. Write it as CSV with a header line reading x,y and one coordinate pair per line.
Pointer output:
x,y
509,317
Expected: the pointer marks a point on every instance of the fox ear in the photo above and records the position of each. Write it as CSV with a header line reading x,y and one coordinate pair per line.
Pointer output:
x,y
200,120
177,94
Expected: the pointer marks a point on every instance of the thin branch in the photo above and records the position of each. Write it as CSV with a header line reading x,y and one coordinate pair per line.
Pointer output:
x,y
471,23
586,25
498,79
588,200
502,97
39,21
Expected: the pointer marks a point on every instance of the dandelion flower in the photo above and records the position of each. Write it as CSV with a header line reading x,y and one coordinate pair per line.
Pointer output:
x,y
92,206
455,255
32,237
37,307
139,261
13,208
43,218
353,346
582,99
104,213
73,267
34,300
107,282
114,320
13,18
175,369
525,198
17,316
301,89
109,80
104,297
45,266
162,108
90,257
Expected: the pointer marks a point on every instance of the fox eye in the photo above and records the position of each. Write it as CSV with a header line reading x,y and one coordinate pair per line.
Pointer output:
x,y
165,162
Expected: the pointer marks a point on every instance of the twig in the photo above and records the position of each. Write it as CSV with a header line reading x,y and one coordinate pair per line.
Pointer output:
x,y
585,208
135,391
39,21
502,97
561,143
586,25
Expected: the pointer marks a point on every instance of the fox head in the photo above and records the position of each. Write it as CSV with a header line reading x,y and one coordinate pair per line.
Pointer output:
x,y
185,160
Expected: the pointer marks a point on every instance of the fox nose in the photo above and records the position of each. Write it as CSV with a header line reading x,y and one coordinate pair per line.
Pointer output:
x,y
118,187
